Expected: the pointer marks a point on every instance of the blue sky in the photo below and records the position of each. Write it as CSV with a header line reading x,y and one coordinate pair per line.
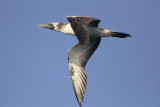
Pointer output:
x,y
121,73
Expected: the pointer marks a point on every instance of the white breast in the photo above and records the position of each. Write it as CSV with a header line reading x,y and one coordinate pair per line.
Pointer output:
x,y
68,29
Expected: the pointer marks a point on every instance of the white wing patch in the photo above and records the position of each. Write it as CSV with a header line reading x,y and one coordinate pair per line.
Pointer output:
x,y
79,81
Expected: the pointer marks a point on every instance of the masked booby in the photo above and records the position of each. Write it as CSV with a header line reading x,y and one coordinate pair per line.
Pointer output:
x,y
89,35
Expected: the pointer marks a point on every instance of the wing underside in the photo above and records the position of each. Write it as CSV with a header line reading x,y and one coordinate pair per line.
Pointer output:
x,y
78,56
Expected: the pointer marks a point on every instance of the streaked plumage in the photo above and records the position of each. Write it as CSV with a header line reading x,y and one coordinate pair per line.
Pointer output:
x,y
89,35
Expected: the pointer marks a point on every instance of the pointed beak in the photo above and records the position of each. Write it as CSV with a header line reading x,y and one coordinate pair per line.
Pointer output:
x,y
49,26
45,25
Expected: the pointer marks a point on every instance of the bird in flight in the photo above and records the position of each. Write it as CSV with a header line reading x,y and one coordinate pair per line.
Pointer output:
x,y
88,33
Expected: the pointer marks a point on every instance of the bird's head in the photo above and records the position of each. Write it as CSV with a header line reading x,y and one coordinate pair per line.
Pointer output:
x,y
49,26
53,26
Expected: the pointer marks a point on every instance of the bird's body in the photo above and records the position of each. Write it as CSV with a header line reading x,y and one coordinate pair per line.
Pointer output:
x,y
67,29
89,35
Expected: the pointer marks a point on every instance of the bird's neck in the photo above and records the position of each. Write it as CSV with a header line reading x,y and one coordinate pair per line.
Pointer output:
x,y
67,29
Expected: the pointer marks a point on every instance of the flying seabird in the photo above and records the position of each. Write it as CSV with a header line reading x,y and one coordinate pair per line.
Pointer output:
x,y
86,29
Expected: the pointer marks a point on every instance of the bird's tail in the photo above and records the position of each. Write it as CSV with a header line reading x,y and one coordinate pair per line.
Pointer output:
x,y
119,35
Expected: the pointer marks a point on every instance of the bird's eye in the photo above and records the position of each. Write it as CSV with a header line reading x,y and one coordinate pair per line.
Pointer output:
x,y
50,24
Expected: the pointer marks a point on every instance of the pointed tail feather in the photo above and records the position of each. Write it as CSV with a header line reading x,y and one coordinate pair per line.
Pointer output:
x,y
120,35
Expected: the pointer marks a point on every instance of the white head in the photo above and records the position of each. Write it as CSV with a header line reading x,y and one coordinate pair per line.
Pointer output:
x,y
54,26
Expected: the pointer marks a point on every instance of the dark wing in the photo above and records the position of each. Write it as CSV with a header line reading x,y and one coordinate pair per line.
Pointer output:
x,y
79,25
78,57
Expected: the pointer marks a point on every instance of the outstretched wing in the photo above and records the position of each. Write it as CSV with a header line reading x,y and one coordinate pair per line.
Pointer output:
x,y
78,56
79,25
